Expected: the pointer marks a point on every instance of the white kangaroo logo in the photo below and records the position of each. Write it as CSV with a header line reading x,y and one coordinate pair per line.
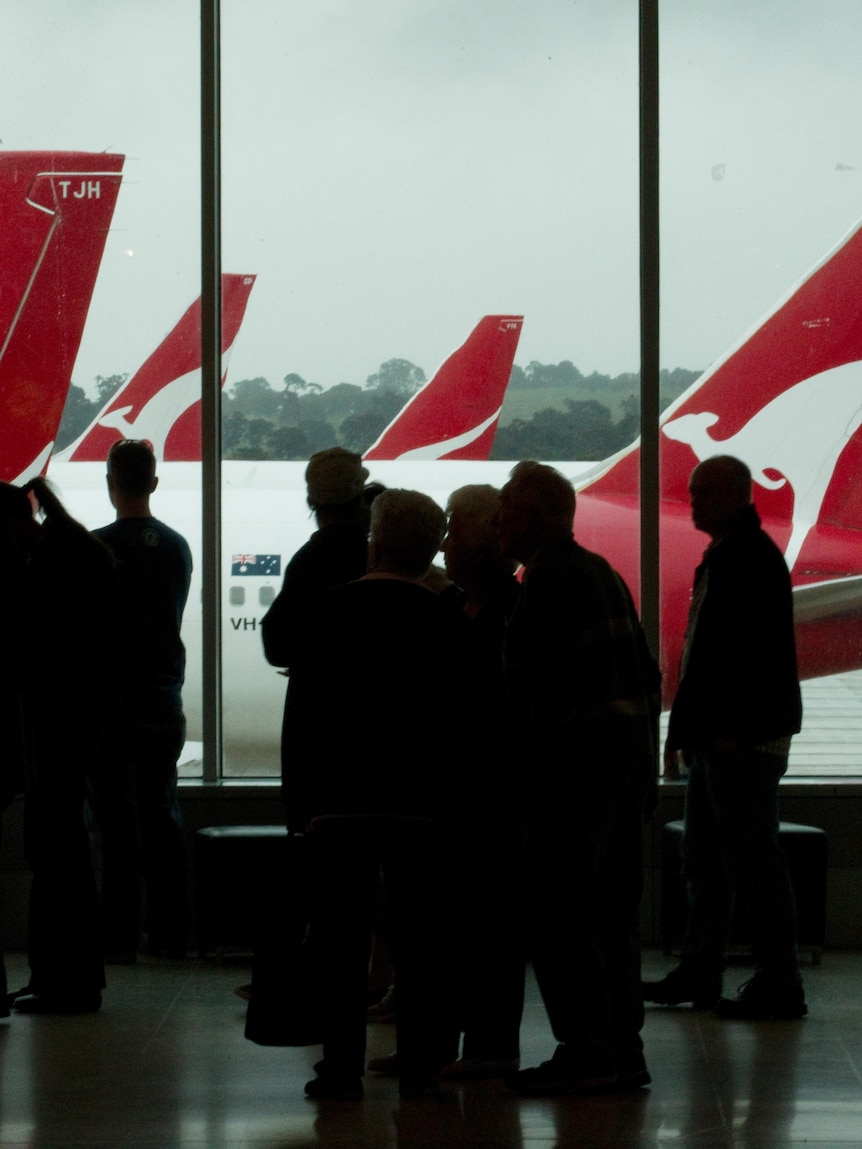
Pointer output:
x,y
800,434
158,414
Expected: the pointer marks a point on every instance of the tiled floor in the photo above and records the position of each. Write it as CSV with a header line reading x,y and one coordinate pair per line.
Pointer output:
x,y
165,1064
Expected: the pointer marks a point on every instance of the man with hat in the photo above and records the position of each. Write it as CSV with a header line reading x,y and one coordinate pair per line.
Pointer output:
x,y
336,553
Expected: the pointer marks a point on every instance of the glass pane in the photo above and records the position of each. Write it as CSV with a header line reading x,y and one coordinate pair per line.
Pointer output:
x,y
393,172
761,116
119,80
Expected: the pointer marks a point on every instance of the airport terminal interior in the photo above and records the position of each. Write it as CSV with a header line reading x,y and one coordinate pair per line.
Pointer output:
x,y
386,173
165,1065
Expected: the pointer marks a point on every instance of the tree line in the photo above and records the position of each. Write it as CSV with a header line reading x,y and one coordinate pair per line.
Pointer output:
x,y
551,412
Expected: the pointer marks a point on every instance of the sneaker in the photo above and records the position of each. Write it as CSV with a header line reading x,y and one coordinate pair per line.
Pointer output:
x,y
553,1079
478,1068
632,1073
334,1083
13,995
680,986
384,1010
759,999
37,1003
386,1066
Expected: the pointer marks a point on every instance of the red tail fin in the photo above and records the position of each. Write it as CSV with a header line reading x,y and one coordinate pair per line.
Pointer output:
x,y
455,415
56,209
787,400
161,401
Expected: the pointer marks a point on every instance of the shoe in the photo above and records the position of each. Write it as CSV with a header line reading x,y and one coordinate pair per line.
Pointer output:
x,y
58,1003
632,1073
335,1088
13,995
554,1079
760,999
386,1066
679,986
384,1010
479,1068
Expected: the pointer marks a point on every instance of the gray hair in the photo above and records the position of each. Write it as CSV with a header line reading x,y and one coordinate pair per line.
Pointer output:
x,y
478,502
407,529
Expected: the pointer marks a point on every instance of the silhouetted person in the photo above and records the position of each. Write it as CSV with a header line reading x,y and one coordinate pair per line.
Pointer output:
x,y
133,782
371,779
69,697
17,535
336,553
484,994
483,960
737,706
584,688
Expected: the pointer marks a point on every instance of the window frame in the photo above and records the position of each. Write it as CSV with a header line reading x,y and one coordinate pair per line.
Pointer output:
x,y
211,243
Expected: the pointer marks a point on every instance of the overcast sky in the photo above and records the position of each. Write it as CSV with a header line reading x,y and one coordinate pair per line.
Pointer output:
x,y
394,169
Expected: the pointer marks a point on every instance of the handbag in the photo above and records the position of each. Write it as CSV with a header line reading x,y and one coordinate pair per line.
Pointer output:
x,y
286,1002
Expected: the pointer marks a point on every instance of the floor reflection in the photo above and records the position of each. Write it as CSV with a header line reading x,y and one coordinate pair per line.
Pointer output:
x,y
165,1064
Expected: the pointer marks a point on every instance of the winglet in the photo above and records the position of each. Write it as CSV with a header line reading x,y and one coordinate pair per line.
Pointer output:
x,y
161,401
56,210
454,416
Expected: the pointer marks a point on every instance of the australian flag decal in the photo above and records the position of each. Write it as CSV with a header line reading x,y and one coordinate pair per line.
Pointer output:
x,y
261,566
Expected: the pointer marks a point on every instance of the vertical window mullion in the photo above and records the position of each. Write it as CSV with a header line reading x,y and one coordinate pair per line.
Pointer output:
x,y
649,319
211,386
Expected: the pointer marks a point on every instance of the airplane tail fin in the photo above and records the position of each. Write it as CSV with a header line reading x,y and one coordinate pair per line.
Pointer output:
x,y
787,399
161,401
56,210
454,416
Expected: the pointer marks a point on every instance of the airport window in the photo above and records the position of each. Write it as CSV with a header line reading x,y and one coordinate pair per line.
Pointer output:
x,y
83,81
440,173
431,166
760,171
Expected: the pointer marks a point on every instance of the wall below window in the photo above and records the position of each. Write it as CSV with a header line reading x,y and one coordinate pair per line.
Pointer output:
x,y
836,808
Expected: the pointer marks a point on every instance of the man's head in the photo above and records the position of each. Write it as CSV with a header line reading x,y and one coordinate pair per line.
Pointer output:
x,y
131,471
18,528
334,478
537,505
719,488
472,544
407,529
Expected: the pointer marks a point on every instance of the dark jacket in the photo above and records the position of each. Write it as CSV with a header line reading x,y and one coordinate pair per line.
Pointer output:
x,y
580,674
379,718
334,555
153,576
740,679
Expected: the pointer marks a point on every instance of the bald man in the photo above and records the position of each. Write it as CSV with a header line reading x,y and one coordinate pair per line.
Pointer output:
x,y
737,706
584,694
